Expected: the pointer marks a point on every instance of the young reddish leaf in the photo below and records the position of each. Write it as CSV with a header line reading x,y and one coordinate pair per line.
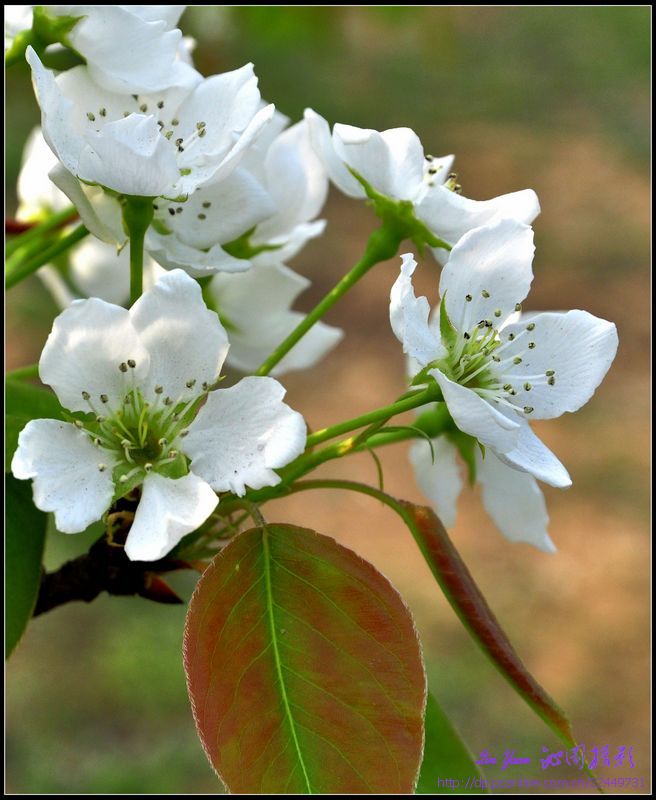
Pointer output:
x,y
472,608
304,669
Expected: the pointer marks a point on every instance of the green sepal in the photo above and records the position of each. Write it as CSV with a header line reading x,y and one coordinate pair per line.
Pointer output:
x,y
466,446
45,30
241,247
435,420
447,330
177,468
181,198
159,227
16,52
53,29
400,215
123,489
213,305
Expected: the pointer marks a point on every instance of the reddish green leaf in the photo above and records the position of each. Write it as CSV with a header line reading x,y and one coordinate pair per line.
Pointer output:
x,y
304,669
466,599
472,608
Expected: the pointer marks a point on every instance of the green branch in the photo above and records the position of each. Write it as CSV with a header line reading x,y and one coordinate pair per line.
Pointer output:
x,y
17,270
383,244
38,231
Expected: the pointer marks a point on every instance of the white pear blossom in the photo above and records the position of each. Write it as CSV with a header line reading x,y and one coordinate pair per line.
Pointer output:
x,y
511,497
497,369
393,163
164,143
274,196
131,49
145,378
255,307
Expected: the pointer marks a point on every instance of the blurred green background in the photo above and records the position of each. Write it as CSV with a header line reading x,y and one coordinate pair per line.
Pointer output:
x,y
556,99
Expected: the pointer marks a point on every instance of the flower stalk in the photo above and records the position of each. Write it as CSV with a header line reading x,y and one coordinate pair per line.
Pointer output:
x,y
137,215
383,243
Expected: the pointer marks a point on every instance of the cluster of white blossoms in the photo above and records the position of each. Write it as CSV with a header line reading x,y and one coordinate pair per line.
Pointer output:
x,y
236,191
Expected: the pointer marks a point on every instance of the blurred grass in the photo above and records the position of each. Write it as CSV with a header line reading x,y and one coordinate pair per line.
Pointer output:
x,y
553,98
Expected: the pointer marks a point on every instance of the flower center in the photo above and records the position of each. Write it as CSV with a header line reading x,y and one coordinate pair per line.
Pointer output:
x,y
168,123
142,435
490,361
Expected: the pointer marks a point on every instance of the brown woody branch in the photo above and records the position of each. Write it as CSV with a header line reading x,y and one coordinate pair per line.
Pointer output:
x,y
106,568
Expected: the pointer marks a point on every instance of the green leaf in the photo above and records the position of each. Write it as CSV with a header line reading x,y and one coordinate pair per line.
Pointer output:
x,y
304,669
25,538
445,756
24,402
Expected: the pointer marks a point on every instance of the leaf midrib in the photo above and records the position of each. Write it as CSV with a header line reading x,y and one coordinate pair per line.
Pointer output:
x,y
276,654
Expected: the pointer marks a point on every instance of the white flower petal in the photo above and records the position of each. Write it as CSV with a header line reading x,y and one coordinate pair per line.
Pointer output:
x,y
171,253
88,342
126,52
226,103
476,416
220,212
287,245
439,169
129,156
242,434
391,161
169,14
578,346
322,142
168,510
515,502
492,265
255,306
56,114
296,180
533,456
99,270
17,19
57,286
450,215
439,480
207,167
102,216
63,465
409,317
185,340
